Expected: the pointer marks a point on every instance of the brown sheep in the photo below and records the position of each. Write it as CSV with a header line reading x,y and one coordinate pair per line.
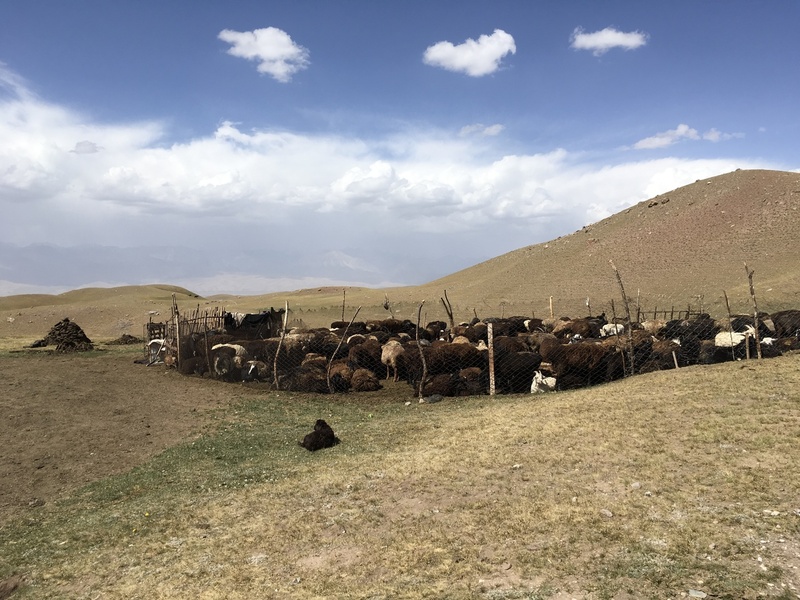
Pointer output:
x,y
367,355
364,380
585,364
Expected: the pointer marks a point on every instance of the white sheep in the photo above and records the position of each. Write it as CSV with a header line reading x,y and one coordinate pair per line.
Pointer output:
x,y
542,384
611,329
389,353
731,339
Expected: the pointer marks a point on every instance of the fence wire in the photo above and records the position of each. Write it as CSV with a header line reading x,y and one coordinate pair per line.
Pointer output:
x,y
491,355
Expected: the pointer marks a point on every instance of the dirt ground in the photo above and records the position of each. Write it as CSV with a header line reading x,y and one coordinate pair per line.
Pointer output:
x,y
69,419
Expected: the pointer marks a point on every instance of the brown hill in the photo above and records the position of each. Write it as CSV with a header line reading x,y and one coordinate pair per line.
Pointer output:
x,y
677,249
674,249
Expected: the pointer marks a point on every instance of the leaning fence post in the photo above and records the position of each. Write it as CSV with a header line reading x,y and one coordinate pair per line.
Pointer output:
x,y
755,309
448,308
335,352
627,314
280,343
730,323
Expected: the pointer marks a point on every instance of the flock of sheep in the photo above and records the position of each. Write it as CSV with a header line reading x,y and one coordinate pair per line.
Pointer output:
x,y
522,355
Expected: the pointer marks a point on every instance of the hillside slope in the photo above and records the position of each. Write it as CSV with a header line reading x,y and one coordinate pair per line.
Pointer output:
x,y
673,249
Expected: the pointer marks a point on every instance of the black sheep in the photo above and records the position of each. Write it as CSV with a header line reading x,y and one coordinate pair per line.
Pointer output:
x,y
321,437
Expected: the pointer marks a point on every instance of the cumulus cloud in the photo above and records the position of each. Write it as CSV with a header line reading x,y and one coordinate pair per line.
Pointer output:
x,y
600,42
475,58
682,132
414,191
274,50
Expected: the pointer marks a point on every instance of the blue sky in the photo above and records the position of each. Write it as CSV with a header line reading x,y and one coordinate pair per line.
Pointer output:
x,y
257,146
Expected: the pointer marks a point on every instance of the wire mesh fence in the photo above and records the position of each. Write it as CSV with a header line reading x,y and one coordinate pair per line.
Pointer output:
x,y
491,355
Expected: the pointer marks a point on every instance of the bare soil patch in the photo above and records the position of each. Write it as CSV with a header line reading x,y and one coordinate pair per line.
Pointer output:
x,y
69,419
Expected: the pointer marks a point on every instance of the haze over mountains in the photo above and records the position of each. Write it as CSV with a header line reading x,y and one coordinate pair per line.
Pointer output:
x,y
679,248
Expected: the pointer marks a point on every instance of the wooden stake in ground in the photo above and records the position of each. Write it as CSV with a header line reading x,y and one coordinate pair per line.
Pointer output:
x,y
344,295
490,337
552,316
335,352
448,308
421,354
638,305
627,314
387,306
177,333
755,309
730,323
280,343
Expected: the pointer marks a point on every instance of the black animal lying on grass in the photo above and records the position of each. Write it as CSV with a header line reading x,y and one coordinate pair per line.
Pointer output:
x,y
321,437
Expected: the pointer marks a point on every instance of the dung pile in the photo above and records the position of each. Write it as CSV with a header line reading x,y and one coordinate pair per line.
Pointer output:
x,y
67,336
126,339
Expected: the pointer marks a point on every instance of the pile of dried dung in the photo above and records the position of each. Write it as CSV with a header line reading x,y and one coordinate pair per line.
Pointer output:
x,y
126,339
67,336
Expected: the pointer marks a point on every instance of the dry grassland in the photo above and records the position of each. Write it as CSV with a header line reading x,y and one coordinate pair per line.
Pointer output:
x,y
644,488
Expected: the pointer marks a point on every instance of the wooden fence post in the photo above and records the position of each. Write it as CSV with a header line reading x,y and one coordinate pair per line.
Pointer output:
x,y
755,310
421,354
490,337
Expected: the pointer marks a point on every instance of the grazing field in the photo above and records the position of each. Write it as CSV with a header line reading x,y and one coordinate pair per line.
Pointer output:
x,y
125,481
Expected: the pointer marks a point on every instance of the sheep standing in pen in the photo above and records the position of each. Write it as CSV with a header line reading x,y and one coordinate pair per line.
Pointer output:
x,y
389,353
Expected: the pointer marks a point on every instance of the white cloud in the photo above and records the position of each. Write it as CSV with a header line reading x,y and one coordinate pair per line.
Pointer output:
x,y
714,135
667,138
682,132
277,54
600,42
86,147
482,130
475,58
306,199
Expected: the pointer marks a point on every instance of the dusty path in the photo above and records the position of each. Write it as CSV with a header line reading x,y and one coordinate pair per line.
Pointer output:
x,y
66,420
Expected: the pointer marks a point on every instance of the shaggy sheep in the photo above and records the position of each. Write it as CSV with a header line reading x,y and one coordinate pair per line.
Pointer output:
x,y
322,437
390,351
787,323
364,380
367,355
610,329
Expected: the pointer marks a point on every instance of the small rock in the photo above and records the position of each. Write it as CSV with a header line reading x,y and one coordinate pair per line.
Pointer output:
x,y
697,594
636,485
606,513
